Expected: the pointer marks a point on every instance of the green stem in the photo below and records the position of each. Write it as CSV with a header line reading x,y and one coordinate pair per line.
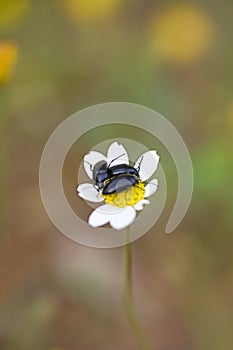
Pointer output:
x,y
129,303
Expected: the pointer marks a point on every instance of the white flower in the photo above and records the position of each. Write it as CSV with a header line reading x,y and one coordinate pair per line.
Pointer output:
x,y
121,206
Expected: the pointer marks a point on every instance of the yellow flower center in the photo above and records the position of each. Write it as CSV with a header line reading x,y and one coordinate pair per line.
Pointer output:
x,y
130,196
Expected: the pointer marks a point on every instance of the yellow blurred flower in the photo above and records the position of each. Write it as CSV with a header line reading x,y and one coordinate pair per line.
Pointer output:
x,y
91,10
11,11
8,57
182,34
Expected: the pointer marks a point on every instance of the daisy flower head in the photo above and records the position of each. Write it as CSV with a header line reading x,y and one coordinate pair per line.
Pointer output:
x,y
122,188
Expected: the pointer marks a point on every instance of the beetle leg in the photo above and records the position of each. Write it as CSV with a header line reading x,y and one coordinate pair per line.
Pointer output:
x,y
91,166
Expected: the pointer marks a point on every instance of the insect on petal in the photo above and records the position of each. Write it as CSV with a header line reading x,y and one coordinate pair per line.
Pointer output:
x,y
147,164
117,154
89,193
90,160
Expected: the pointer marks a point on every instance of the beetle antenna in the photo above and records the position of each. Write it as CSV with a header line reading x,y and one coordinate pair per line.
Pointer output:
x,y
139,164
113,160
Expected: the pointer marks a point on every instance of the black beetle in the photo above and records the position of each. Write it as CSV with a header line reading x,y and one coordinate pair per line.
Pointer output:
x,y
114,179
117,178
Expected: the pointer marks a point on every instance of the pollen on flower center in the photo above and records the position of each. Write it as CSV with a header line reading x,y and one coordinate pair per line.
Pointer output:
x,y
128,197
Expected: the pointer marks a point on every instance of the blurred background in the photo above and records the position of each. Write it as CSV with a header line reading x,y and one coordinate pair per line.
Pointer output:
x,y
59,56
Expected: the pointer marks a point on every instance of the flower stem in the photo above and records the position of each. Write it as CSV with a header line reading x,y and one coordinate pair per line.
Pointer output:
x,y
129,303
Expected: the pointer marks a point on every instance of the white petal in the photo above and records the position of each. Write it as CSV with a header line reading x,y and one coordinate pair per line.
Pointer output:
x,y
109,209
123,219
97,218
140,205
91,159
116,150
89,193
103,215
148,164
151,188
